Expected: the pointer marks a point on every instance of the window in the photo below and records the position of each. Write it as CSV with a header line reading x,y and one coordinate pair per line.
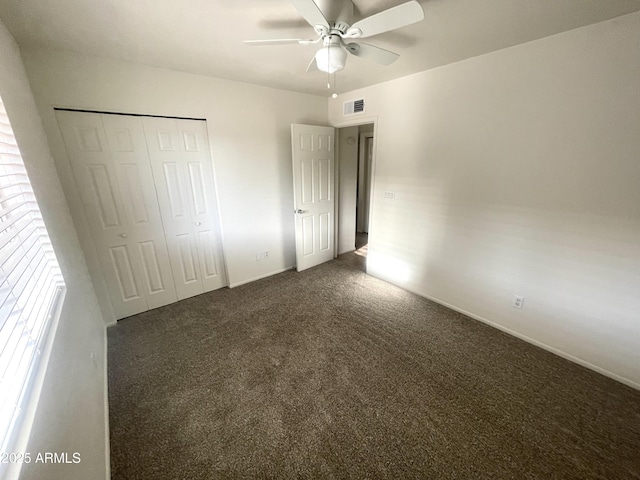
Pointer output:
x,y
31,287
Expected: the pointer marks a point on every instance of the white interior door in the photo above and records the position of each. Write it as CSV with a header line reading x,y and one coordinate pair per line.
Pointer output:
x,y
313,185
179,153
109,160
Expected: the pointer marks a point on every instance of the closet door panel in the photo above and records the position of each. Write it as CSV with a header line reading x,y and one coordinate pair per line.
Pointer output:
x,y
173,192
98,185
202,201
130,158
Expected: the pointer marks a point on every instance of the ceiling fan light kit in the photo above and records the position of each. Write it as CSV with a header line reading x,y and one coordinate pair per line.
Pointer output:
x,y
331,59
332,22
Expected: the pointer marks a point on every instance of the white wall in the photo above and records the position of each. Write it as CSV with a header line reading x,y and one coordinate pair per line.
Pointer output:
x,y
348,181
518,173
249,132
71,413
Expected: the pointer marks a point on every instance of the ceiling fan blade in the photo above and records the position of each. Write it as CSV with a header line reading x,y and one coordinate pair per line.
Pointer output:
x,y
313,66
310,11
278,41
395,17
371,52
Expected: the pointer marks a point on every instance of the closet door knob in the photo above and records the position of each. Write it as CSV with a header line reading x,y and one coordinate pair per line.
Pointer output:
x,y
123,235
197,224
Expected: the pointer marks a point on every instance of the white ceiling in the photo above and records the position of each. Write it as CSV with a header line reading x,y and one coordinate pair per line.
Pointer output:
x,y
205,36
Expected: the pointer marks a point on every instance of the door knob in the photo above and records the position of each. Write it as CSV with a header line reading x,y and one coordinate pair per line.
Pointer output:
x,y
299,211
123,235
197,224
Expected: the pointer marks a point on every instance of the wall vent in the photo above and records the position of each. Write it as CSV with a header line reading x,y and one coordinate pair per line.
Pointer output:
x,y
353,107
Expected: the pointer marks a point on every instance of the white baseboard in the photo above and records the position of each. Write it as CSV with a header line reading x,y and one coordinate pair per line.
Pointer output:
x,y
527,339
260,277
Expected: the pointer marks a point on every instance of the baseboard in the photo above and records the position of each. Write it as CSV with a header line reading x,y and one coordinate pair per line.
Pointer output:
x,y
532,341
260,277
107,442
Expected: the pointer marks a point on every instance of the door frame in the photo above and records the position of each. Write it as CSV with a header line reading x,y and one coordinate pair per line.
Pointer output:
x,y
353,122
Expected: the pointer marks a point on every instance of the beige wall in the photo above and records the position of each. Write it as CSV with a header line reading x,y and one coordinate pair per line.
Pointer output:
x,y
249,132
70,416
518,173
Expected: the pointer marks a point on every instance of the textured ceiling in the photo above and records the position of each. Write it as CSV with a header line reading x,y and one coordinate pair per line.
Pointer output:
x,y
205,36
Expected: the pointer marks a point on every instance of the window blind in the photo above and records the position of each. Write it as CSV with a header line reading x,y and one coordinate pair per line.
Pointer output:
x,y
31,284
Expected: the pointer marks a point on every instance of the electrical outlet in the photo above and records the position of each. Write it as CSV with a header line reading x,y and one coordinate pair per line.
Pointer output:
x,y
518,302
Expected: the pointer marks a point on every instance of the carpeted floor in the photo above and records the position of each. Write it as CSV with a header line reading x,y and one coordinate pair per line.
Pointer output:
x,y
333,374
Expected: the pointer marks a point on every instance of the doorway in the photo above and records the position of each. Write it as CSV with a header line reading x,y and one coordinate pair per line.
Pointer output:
x,y
363,195
355,155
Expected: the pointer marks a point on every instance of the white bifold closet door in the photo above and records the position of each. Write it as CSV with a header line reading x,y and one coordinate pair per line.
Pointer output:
x,y
179,154
147,189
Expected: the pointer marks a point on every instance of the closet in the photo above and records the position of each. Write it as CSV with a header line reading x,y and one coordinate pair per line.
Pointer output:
x,y
147,190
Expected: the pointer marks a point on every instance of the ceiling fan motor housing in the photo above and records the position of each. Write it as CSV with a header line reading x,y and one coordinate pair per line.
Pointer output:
x,y
341,27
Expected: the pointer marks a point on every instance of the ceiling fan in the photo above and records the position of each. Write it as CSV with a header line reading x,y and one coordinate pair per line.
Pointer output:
x,y
331,19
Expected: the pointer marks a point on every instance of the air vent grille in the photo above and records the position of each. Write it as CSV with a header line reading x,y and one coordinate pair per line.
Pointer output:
x,y
353,107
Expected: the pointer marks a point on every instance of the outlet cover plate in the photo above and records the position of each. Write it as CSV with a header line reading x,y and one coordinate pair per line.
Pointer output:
x,y
518,301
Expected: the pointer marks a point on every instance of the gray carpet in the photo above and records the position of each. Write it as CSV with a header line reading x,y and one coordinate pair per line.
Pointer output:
x,y
334,374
